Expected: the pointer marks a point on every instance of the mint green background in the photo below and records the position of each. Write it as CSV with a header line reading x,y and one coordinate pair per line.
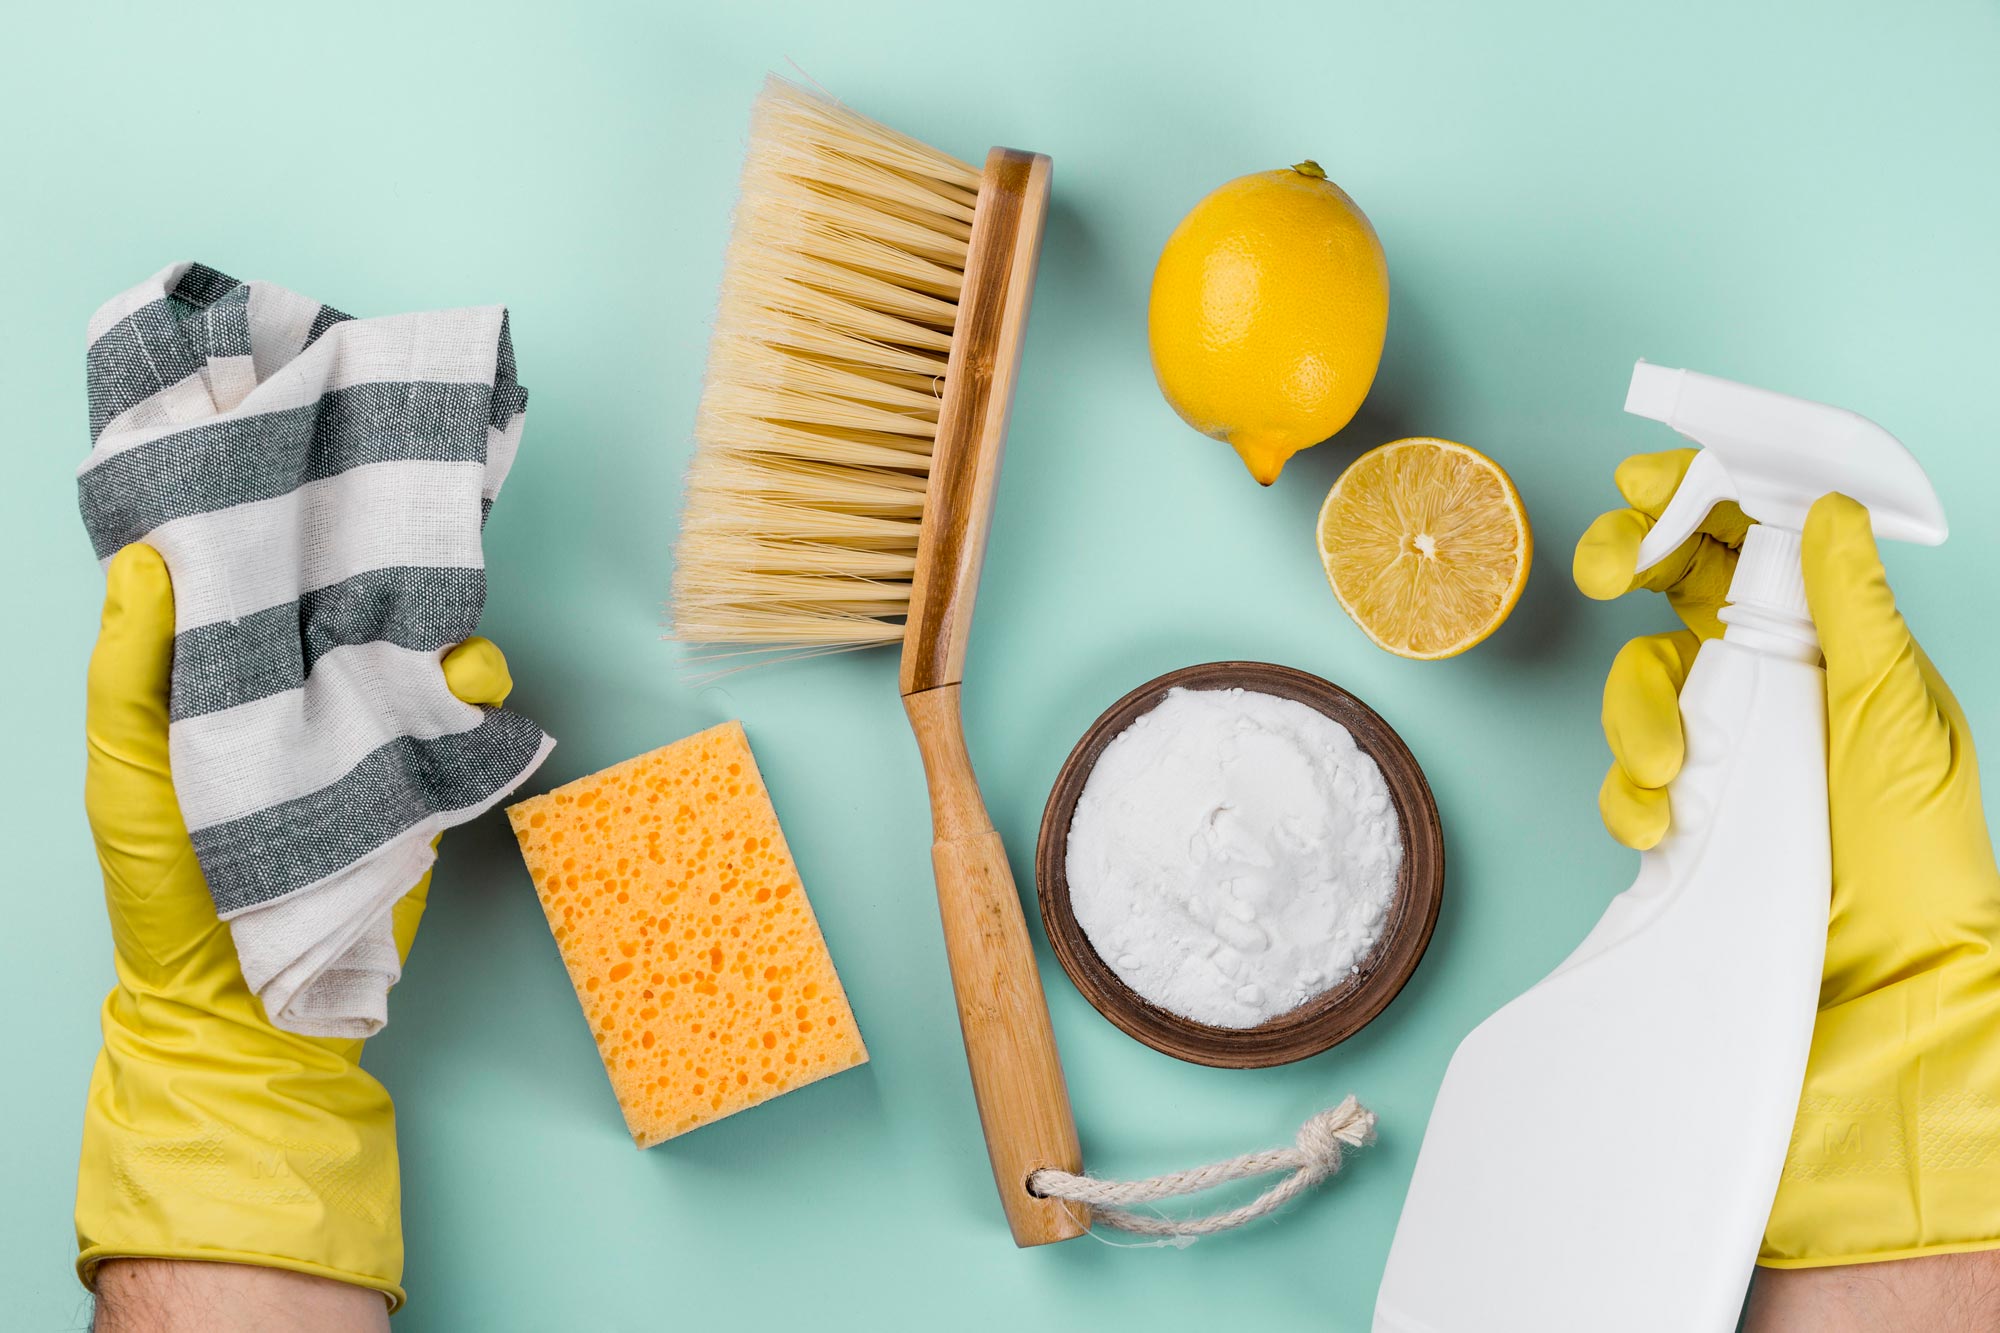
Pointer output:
x,y
1799,195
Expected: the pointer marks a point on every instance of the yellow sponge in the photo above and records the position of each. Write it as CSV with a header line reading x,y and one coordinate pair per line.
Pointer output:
x,y
687,934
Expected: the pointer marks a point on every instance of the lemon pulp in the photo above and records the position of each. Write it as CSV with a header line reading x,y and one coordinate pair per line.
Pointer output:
x,y
1427,546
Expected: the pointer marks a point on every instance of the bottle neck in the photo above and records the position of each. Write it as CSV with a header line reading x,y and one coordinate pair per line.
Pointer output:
x,y
1767,608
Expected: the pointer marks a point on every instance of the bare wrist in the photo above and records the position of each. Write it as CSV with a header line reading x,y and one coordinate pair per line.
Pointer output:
x,y
182,1296
1940,1293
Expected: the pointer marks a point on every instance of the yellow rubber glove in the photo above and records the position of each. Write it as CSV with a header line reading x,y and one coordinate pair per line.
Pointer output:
x,y
1896,1150
209,1133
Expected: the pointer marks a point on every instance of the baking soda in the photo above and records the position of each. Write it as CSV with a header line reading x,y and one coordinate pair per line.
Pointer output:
x,y
1233,855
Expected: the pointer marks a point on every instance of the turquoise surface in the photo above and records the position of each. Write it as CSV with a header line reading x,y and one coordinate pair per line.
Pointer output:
x,y
1798,195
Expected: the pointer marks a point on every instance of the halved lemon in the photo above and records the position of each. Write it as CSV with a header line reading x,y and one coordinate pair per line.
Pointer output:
x,y
1427,546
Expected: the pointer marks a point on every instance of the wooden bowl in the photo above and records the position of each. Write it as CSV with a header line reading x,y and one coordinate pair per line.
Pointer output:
x,y
1329,1017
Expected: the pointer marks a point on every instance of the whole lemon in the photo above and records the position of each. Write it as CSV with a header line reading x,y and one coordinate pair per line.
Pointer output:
x,y
1269,306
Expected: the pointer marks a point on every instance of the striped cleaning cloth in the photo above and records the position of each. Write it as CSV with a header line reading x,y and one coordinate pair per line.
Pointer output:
x,y
317,485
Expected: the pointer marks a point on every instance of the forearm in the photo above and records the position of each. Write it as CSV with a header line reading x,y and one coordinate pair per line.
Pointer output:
x,y
174,1296
1940,1293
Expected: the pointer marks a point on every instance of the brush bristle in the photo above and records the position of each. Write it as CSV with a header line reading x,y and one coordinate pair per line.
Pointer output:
x,y
825,371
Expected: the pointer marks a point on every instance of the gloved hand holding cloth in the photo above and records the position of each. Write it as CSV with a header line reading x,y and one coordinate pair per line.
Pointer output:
x,y
1896,1149
209,1133
286,708
317,486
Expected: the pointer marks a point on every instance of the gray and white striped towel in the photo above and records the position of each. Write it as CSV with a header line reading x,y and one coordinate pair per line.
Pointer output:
x,y
317,485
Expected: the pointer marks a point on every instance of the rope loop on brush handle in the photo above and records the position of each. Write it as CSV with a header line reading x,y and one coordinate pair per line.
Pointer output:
x,y
1313,1156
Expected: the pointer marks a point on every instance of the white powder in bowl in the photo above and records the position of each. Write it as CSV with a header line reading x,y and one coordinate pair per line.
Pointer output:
x,y
1233,855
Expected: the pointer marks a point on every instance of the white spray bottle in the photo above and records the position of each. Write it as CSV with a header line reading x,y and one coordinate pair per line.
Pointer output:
x,y
1604,1150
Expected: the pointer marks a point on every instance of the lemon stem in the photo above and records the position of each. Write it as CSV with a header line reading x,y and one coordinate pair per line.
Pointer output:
x,y
1311,168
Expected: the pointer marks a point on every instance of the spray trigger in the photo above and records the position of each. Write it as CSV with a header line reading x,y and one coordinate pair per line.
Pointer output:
x,y
1705,486
1774,455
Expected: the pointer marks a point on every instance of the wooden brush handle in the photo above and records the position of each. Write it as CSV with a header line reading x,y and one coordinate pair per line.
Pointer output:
x,y
1017,1078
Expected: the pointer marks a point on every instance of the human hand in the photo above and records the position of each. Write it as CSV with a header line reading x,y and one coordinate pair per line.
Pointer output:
x,y
209,1132
1896,1150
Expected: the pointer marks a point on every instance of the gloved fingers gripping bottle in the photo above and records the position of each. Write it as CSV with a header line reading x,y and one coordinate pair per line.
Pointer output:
x,y
1896,1149
1604,1150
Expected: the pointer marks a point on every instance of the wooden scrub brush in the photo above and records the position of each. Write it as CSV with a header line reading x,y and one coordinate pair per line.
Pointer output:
x,y
848,445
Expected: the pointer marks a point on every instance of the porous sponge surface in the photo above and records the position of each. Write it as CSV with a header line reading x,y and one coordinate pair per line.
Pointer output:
x,y
687,934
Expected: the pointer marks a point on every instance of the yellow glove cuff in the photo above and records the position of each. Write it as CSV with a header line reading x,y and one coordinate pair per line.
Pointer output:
x,y
211,1139
1896,1150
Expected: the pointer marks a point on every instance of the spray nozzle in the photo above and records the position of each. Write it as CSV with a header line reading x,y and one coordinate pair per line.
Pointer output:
x,y
1774,455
